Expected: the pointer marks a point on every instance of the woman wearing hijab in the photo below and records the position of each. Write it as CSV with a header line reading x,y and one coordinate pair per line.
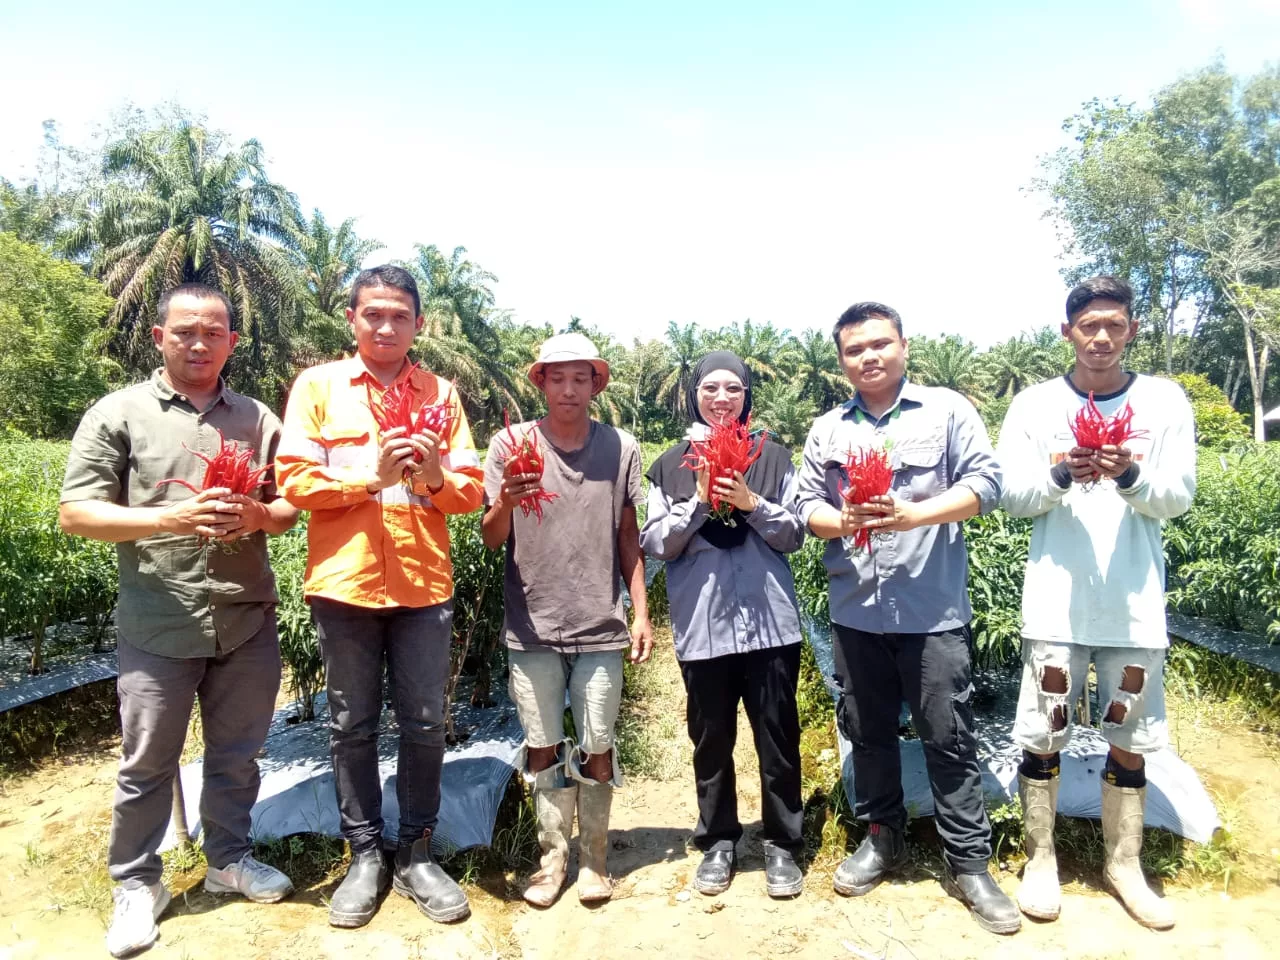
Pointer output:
x,y
736,626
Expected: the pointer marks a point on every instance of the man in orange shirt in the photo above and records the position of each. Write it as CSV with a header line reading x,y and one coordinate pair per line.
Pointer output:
x,y
380,583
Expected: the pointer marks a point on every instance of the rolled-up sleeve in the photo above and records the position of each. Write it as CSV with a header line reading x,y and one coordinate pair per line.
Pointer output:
x,y
973,462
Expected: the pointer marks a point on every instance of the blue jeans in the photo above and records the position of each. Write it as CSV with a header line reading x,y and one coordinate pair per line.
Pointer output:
x,y
414,642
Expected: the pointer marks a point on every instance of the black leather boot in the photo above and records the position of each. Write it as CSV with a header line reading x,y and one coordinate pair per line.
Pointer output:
x,y
356,899
993,910
714,873
782,876
883,849
422,880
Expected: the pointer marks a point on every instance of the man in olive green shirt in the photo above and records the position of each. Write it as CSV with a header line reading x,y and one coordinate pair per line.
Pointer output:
x,y
197,604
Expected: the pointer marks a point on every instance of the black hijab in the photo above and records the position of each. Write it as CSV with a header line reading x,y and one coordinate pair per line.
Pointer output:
x,y
764,477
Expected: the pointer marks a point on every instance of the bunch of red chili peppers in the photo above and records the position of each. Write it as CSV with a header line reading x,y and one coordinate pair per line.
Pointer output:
x,y
1093,430
395,409
230,467
727,449
870,475
525,457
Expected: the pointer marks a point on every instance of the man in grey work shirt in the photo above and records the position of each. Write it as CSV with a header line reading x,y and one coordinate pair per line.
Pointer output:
x,y
900,610
197,604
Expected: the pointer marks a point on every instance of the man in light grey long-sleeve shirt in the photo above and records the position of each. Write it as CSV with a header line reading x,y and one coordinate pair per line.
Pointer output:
x,y
900,610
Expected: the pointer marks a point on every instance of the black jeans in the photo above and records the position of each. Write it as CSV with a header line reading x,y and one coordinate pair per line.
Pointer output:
x,y
876,672
765,682
415,643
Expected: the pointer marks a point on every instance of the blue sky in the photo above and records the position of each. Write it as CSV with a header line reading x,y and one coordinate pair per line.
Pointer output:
x,y
646,163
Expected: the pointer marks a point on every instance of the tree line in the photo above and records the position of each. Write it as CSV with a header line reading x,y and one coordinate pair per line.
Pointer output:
x,y
1181,197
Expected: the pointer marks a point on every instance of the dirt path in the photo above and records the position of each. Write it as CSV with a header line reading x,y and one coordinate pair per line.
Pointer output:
x,y
54,895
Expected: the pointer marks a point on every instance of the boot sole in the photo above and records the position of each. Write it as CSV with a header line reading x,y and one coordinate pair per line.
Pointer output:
x,y
1004,928
213,886
780,891
712,889
1111,887
460,912
349,921
1036,914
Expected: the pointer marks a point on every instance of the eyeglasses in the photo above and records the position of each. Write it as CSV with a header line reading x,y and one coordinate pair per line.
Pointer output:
x,y
728,389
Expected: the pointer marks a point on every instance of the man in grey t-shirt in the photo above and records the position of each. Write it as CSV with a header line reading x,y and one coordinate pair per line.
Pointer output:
x,y
564,624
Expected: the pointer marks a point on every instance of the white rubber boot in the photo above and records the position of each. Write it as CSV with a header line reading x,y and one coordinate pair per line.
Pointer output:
x,y
1122,809
554,807
1039,894
594,803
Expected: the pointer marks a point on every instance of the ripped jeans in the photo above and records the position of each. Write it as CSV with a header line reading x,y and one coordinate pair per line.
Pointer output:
x,y
876,672
1130,695
539,679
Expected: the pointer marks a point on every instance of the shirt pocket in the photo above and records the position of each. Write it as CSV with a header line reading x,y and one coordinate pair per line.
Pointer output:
x,y
919,466
347,447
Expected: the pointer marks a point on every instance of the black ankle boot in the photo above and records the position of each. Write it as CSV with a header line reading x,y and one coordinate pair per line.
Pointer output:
x,y
356,899
882,850
782,876
714,873
993,910
422,880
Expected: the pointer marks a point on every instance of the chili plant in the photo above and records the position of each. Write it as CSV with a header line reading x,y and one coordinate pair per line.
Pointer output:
x,y
729,448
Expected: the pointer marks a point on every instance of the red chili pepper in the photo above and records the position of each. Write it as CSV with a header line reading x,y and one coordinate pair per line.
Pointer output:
x,y
395,409
870,475
229,467
1093,430
726,450
526,457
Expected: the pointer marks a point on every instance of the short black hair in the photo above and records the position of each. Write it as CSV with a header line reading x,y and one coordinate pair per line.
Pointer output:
x,y
201,291
861,313
1099,288
387,275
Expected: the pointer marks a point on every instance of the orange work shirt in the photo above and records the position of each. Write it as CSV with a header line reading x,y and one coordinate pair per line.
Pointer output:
x,y
385,549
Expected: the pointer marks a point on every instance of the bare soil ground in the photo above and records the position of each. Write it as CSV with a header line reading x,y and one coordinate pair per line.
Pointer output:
x,y
54,895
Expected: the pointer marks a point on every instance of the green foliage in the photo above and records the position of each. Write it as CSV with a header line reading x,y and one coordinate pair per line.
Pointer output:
x,y
178,204
1218,425
810,575
45,575
783,410
1224,554
51,341
299,646
477,606
998,545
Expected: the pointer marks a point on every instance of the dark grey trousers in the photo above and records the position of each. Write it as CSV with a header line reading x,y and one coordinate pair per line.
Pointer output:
x,y
930,671
414,641
237,694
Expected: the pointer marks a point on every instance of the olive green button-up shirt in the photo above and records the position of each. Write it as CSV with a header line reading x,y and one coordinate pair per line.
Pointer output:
x,y
178,598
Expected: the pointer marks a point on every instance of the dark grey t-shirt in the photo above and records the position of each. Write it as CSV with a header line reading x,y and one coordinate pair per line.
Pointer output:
x,y
563,581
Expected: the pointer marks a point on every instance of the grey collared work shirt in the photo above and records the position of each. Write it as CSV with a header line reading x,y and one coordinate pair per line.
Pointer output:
x,y
915,581
177,598
726,601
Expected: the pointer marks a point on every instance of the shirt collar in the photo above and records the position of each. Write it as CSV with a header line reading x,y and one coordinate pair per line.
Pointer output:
x,y
909,395
161,388
357,371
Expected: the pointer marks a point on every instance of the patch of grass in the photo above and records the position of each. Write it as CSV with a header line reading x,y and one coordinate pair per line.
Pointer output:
x,y
1249,694
308,859
650,731
85,719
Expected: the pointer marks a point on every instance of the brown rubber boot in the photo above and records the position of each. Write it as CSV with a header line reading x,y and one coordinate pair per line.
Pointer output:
x,y
1122,819
594,803
554,807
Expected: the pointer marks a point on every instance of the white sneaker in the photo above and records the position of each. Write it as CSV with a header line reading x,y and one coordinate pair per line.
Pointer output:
x,y
255,880
133,923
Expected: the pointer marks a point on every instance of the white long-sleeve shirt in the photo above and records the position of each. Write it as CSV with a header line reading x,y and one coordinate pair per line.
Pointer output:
x,y
1095,574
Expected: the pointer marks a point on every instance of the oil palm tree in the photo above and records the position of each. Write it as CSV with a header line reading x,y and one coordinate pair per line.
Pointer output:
x,y
817,371
327,261
686,345
177,205
950,362
1014,365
